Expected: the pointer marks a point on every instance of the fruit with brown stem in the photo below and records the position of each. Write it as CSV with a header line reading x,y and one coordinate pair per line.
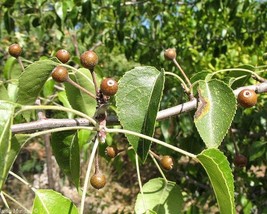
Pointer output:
x,y
15,50
170,54
166,162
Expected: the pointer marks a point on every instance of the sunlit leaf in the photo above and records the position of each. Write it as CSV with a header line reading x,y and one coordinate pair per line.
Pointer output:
x,y
215,112
51,202
160,197
220,175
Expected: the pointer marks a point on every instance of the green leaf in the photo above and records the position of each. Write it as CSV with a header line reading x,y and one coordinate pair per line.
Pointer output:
x,y
6,118
63,98
220,175
61,9
12,90
32,80
10,62
9,146
215,112
78,99
3,92
84,137
51,202
138,98
256,150
49,88
65,147
161,197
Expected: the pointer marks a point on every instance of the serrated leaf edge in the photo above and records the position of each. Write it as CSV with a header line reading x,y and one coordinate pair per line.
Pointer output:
x,y
231,118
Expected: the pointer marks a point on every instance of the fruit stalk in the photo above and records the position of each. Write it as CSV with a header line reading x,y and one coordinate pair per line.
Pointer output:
x,y
69,80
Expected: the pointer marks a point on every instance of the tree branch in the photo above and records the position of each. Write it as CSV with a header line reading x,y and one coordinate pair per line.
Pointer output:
x,y
111,120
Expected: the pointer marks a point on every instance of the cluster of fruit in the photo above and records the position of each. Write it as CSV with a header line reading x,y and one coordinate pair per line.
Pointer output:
x,y
108,87
89,59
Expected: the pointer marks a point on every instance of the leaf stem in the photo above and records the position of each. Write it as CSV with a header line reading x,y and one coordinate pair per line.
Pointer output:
x,y
15,201
87,176
95,81
158,166
60,129
139,179
78,71
20,63
69,80
153,140
4,200
179,78
154,155
236,69
58,108
22,180
182,71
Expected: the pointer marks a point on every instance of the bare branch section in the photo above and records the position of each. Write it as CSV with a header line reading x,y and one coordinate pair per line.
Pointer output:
x,y
111,120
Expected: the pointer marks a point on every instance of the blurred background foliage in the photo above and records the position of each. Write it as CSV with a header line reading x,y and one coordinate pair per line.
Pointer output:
x,y
208,35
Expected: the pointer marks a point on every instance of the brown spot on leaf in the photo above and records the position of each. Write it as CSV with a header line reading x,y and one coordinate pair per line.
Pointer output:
x,y
202,107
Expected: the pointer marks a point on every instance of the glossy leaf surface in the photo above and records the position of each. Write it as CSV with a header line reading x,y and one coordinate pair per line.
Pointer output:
x,y
215,112
138,98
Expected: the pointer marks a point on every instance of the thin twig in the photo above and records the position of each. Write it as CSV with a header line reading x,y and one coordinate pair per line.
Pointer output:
x,y
4,200
49,163
20,63
183,73
139,180
112,120
158,166
94,80
15,201
69,80
87,176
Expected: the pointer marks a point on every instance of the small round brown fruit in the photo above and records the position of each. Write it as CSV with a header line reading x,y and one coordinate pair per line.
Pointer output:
x,y
63,55
98,181
170,54
60,74
166,162
111,151
240,160
109,86
15,50
247,98
89,59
